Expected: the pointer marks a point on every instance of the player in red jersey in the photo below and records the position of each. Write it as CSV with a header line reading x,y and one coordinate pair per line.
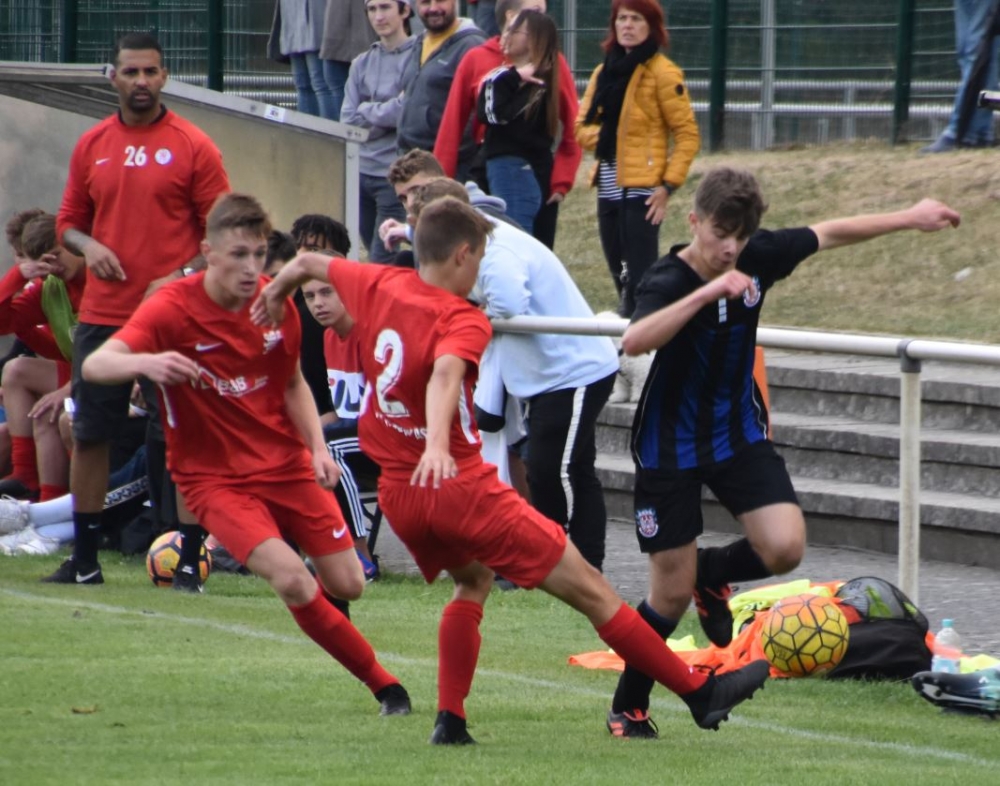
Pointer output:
x,y
140,185
244,443
421,341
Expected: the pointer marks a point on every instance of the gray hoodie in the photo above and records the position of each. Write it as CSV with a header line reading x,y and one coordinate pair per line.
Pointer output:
x,y
373,99
427,89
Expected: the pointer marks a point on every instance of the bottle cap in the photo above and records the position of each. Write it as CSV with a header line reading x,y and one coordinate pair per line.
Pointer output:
x,y
947,623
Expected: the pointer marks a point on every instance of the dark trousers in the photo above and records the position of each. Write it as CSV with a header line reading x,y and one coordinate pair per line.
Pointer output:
x,y
562,450
631,244
545,224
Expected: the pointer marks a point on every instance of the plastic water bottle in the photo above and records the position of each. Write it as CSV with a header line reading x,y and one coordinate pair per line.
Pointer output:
x,y
947,649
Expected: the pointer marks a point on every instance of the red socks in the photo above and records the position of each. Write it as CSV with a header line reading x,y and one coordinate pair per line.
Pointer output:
x,y
335,634
640,647
48,492
24,462
458,653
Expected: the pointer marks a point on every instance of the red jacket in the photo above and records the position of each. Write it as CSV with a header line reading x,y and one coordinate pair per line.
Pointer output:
x,y
461,106
21,311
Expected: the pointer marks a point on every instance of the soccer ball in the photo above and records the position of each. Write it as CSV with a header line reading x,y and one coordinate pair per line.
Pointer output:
x,y
165,553
804,634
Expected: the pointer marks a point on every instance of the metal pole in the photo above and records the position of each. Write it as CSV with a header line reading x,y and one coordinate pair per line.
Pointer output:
x,y
717,76
570,34
216,45
909,475
904,69
70,29
767,69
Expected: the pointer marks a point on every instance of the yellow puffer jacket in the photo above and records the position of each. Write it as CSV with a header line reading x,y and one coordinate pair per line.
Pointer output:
x,y
656,108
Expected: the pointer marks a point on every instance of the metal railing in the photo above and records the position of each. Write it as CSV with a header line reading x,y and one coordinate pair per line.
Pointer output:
x,y
911,353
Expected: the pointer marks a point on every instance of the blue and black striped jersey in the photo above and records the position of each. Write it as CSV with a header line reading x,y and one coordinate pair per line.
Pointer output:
x,y
700,404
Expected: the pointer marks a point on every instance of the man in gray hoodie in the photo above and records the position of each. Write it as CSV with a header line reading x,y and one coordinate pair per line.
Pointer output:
x,y
374,100
428,78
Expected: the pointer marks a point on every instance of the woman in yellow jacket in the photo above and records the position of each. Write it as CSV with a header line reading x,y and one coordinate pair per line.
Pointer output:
x,y
635,103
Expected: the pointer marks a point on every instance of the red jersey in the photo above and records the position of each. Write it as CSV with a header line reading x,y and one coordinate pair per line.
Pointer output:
x,y
144,192
21,311
461,106
407,325
233,423
345,374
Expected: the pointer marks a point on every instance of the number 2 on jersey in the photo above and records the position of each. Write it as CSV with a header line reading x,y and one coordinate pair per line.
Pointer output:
x,y
389,352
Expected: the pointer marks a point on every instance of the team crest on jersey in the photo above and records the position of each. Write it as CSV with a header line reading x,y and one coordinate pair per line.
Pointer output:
x,y
271,339
751,296
645,521
163,156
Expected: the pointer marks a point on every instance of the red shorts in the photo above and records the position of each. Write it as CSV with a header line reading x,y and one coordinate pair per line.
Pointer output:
x,y
473,518
243,515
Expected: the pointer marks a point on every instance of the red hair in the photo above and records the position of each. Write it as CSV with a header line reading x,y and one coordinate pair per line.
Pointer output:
x,y
650,10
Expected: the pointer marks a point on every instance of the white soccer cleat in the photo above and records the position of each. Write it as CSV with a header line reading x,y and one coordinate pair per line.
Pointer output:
x,y
13,515
9,544
38,545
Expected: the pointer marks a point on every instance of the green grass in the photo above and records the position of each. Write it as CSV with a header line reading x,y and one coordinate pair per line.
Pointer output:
x,y
125,683
901,284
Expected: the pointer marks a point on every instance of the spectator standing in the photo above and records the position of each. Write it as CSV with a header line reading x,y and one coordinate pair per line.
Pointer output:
x,y
483,13
519,104
346,34
429,75
297,34
973,29
636,115
140,185
374,101
461,107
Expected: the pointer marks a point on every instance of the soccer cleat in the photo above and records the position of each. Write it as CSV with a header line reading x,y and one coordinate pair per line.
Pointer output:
x,y
714,614
978,691
38,545
712,702
393,700
14,488
636,724
72,573
186,579
449,729
9,544
13,515
370,567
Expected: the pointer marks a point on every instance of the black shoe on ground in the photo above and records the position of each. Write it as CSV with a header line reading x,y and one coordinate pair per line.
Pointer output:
x,y
449,729
15,489
713,701
636,724
393,700
975,692
72,573
714,614
187,579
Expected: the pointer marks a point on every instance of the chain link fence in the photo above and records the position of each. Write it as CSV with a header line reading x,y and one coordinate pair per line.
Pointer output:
x,y
794,71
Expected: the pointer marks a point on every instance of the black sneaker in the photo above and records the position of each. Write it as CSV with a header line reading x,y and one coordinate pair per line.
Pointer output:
x,y
977,692
449,729
636,724
713,701
187,579
714,614
394,700
16,489
72,573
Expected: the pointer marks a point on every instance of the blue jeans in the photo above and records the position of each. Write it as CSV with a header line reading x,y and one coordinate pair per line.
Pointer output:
x,y
313,93
378,201
513,180
972,19
335,73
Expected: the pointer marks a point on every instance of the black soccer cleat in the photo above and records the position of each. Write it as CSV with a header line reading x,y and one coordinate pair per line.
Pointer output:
x,y
636,724
70,572
712,702
393,700
187,579
977,692
449,729
714,613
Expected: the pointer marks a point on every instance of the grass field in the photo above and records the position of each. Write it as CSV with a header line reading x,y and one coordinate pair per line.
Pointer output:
x,y
125,683
942,285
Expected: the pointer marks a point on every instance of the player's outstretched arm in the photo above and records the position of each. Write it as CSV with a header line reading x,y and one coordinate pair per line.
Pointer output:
x,y
653,331
302,411
269,307
114,362
443,390
928,215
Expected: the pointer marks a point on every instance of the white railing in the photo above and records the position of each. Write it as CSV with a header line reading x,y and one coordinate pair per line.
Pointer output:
x,y
911,352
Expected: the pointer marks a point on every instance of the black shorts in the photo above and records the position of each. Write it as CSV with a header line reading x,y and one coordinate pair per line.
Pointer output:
x,y
358,484
101,410
668,502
